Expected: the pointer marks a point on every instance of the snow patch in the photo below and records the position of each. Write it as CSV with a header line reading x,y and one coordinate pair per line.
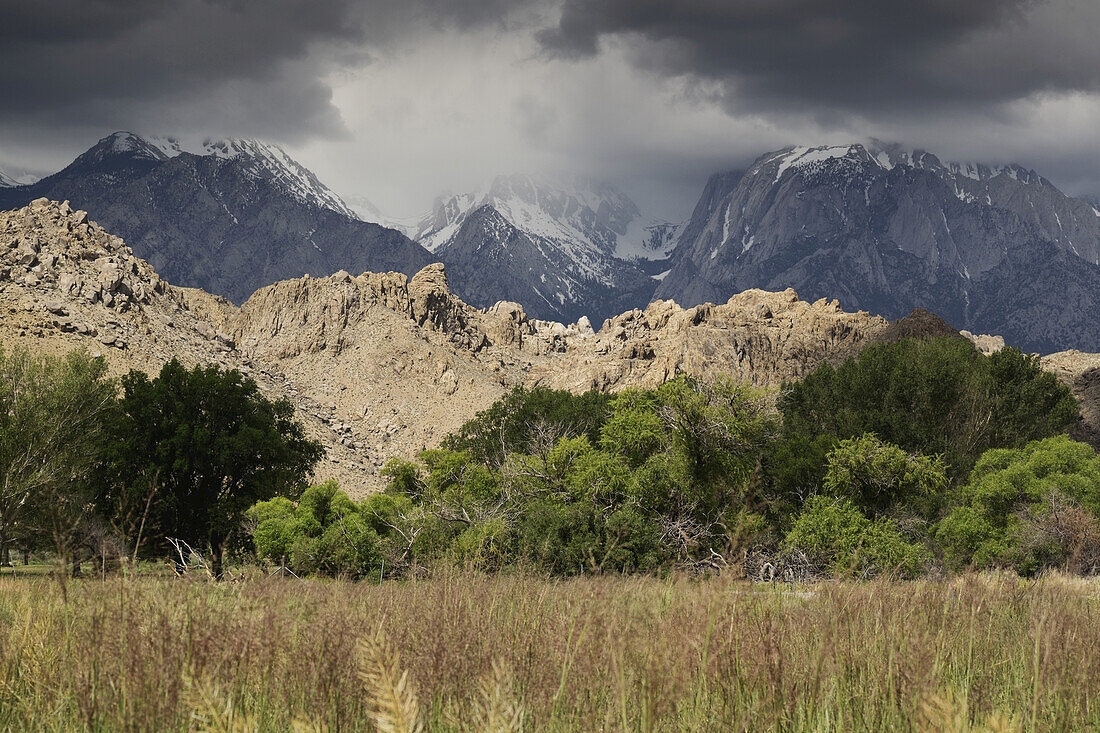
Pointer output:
x,y
262,160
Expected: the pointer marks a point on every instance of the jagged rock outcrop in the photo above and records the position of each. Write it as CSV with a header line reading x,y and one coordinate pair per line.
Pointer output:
x,y
382,364
66,283
759,337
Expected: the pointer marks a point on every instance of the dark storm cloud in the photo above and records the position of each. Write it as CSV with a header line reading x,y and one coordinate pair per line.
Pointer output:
x,y
246,67
867,57
107,63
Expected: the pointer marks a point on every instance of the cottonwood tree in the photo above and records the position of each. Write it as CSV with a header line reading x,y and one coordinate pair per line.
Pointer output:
x,y
54,416
213,445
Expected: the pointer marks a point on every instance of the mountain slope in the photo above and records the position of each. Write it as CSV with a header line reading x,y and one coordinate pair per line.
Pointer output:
x,y
993,250
230,218
10,178
561,250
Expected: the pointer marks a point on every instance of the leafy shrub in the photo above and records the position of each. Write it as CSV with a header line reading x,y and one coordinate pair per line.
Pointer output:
x,y
278,525
578,538
882,478
349,548
837,536
487,545
325,532
523,418
1027,508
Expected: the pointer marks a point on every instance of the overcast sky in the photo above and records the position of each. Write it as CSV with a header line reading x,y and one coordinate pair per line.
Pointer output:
x,y
399,100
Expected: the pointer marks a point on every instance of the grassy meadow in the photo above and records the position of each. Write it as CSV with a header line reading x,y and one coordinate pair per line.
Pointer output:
x,y
513,651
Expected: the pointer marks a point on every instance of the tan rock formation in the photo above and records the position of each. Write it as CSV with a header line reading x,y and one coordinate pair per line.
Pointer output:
x,y
1081,373
65,283
380,364
759,337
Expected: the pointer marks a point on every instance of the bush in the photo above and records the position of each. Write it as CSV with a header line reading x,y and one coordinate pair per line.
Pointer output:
x,y
278,526
325,532
578,538
487,545
524,419
349,548
835,535
1027,508
883,479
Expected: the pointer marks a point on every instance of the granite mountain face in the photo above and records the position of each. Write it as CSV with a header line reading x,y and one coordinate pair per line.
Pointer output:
x,y
228,217
990,249
561,249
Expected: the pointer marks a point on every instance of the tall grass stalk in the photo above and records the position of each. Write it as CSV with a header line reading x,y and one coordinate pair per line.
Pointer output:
x,y
516,652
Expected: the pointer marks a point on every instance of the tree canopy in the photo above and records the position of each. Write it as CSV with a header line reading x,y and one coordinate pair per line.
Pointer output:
x,y
195,448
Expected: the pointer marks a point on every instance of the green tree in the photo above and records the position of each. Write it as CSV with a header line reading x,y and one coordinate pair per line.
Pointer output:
x,y
837,536
579,537
884,479
525,418
54,417
936,396
207,445
1027,508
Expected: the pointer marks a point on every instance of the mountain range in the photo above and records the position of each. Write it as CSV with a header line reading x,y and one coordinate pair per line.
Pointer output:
x,y
381,365
228,217
992,249
564,250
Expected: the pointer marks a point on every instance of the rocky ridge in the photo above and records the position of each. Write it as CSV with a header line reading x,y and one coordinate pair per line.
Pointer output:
x,y
756,336
382,364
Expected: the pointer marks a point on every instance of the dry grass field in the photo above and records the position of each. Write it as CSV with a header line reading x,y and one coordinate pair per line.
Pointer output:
x,y
516,652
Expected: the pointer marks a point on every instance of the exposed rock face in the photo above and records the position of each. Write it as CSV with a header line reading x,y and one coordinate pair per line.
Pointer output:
x,y
993,250
228,220
382,364
758,337
66,283
1081,373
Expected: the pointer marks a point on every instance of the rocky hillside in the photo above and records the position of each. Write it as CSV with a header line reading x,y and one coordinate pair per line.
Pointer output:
x,y
990,249
382,364
230,217
66,283
759,337
1081,373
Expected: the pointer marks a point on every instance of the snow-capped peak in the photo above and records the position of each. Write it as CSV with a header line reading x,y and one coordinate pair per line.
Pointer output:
x,y
271,161
17,177
890,155
262,159
886,156
584,213
367,211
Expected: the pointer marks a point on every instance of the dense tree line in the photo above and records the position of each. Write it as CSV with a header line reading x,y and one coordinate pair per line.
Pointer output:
x,y
115,469
914,455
